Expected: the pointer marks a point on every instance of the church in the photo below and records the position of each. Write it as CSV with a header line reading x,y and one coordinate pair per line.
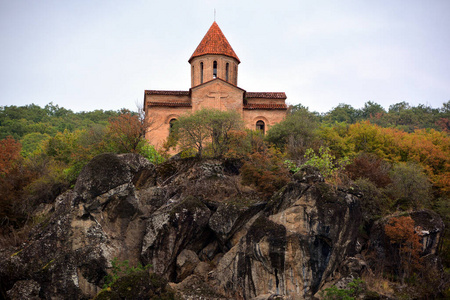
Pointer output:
x,y
214,85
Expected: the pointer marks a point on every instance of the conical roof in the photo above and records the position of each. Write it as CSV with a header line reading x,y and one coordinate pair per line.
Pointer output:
x,y
214,42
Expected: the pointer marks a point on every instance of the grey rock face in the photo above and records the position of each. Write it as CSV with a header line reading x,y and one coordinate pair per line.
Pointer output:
x,y
187,261
108,171
228,219
25,290
306,233
171,229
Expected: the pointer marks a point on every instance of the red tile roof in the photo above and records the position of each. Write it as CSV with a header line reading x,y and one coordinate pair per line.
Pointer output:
x,y
214,42
281,95
266,106
169,93
171,104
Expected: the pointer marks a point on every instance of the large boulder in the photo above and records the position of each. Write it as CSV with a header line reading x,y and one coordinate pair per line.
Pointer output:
x,y
306,232
230,217
109,171
171,229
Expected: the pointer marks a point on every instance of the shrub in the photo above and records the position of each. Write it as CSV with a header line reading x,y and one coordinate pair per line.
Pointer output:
x,y
353,290
370,167
120,269
266,171
326,162
410,187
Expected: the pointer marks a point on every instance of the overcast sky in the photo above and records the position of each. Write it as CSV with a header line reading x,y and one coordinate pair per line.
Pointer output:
x,y
92,54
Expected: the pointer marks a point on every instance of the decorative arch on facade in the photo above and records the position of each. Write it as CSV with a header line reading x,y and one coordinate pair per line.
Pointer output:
x,y
170,118
260,123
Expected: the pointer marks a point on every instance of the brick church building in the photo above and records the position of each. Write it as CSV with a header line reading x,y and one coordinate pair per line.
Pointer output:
x,y
214,78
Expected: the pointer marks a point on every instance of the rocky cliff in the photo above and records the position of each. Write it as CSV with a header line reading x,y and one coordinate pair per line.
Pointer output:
x,y
200,231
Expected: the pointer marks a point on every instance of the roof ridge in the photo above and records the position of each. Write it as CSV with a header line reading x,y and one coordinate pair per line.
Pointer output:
x,y
278,95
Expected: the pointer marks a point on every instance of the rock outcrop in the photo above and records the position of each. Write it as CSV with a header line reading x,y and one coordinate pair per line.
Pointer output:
x,y
195,227
299,240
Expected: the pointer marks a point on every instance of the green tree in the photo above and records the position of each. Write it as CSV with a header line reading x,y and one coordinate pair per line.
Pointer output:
x,y
342,113
324,161
32,142
220,125
296,133
371,110
410,187
206,128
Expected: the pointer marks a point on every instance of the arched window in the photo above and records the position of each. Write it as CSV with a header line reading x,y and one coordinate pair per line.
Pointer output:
x,y
215,69
227,71
171,124
201,72
260,126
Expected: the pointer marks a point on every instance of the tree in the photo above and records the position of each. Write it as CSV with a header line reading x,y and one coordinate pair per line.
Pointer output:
x,y
296,133
206,128
9,153
342,113
371,109
443,124
126,133
324,161
265,170
32,142
410,186
220,125
370,167
400,231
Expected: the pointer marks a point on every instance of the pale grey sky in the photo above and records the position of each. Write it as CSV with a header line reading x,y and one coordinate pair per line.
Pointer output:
x,y
86,55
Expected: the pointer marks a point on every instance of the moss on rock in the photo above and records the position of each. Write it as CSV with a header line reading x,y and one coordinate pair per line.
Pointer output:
x,y
139,285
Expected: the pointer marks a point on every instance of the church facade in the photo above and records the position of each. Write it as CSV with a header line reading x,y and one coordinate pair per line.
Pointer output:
x,y
214,74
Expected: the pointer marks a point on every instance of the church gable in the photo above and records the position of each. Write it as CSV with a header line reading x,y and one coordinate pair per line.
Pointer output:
x,y
217,94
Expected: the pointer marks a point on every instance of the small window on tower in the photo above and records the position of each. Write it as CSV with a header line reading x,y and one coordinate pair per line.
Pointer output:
x,y
260,126
226,71
201,72
215,69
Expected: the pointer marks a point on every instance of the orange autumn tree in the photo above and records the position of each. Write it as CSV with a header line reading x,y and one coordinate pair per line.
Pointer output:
x,y
401,233
9,153
126,133
14,176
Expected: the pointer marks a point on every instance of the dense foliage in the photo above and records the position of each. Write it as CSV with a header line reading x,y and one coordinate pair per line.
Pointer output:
x,y
400,115
43,150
